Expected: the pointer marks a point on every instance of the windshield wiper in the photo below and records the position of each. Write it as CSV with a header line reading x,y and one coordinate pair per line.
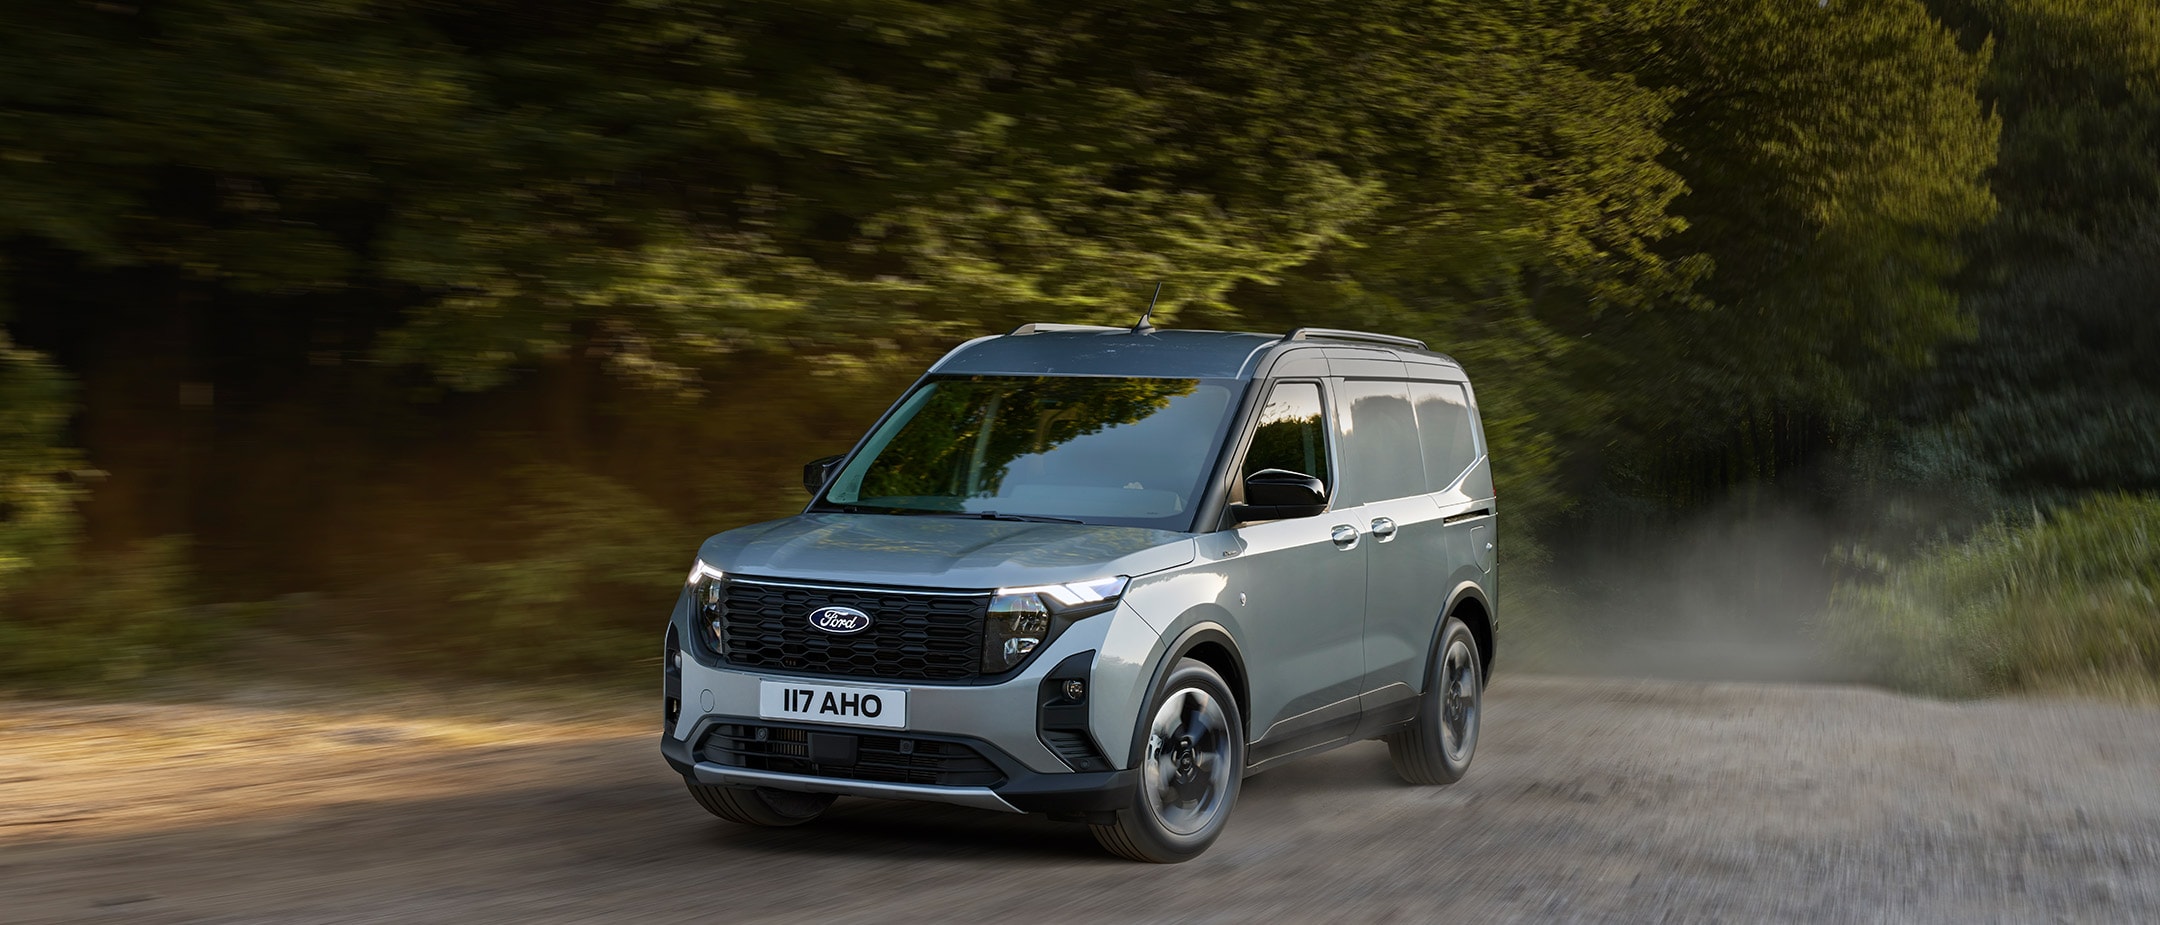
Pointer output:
x,y
969,515
1022,518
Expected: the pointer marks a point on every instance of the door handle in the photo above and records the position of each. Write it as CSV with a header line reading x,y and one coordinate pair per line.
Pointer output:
x,y
1383,529
1344,535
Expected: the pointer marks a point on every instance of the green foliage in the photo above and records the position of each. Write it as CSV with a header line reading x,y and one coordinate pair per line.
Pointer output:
x,y
107,618
2061,395
675,179
1728,216
1834,156
1916,487
2056,392
584,565
2077,84
68,616
1523,193
666,183
2064,603
1678,244
37,508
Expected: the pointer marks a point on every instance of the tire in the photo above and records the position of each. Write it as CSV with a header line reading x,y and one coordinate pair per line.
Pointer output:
x,y
1192,764
1439,744
762,806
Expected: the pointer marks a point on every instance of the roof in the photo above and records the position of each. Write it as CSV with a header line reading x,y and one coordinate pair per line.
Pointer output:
x,y
1041,349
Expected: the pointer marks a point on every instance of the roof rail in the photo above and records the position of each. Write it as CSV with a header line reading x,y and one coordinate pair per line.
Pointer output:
x,y
1038,327
1338,334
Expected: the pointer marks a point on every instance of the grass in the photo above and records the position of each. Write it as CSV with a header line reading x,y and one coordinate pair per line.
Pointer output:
x,y
2064,604
108,618
576,587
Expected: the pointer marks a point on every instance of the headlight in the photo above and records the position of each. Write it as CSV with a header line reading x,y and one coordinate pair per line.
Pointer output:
x,y
1022,619
705,590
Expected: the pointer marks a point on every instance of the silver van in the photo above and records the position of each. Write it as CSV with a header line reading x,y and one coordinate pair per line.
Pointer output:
x,y
1104,574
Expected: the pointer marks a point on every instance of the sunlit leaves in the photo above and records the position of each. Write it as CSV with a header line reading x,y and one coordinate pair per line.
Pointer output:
x,y
37,502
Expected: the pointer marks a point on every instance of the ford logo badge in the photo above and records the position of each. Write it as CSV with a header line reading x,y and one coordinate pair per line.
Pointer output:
x,y
840,621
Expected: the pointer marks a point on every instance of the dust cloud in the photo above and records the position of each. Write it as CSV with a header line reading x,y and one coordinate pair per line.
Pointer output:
x,y
1732,594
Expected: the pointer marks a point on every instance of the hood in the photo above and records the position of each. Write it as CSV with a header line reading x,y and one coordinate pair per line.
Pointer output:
x,y
941,552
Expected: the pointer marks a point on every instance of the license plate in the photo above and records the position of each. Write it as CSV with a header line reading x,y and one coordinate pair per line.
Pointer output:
x,y
826,703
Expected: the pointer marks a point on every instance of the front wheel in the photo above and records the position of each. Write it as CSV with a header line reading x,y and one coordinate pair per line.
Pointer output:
x,y
761,806
1192,763
1436,749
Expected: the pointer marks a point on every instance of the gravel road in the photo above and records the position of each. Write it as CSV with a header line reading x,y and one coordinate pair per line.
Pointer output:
x,y
1591,801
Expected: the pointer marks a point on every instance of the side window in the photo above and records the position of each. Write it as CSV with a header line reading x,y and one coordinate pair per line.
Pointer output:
x,y
1380,452
1292,433
1445,428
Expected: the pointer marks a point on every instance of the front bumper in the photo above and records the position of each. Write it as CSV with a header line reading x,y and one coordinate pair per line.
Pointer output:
x,y
1018,790
1006,724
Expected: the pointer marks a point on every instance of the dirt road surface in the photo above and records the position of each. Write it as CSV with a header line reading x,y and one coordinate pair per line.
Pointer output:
x,y
1591,801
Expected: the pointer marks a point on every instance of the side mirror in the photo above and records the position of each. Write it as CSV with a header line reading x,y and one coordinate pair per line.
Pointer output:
x,y
1280,494
817,472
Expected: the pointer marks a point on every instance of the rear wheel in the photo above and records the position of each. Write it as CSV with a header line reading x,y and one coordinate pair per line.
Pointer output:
x,y
1436,749
1192,764
760,805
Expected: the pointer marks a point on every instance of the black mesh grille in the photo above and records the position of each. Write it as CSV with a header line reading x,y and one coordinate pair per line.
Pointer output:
x,y
912,636
888,759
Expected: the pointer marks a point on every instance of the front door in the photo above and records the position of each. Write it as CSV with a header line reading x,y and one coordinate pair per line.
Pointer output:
x,y
1300,584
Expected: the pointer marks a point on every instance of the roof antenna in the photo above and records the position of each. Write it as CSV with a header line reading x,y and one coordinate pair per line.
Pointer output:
x,y
1144,327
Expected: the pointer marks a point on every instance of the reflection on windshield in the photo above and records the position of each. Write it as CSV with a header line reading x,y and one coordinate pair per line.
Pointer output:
x,y
1094,447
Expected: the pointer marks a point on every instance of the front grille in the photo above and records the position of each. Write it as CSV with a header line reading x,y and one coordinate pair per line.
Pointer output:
x,y
913,636
887,759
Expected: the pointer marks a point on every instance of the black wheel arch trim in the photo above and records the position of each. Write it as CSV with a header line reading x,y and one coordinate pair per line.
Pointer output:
x,y
1469,590
1190,638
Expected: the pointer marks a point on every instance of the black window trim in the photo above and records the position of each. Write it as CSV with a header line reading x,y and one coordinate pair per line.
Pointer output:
x,y
1234,462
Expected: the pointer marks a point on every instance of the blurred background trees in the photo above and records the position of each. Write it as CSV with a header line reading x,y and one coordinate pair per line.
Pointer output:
x,y
457,325
2053,393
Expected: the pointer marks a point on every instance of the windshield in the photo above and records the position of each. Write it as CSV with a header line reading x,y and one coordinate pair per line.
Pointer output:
x,y
1125,451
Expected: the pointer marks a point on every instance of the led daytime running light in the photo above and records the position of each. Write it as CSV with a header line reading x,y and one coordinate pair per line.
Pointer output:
x,y
1076,593
701,570
705,587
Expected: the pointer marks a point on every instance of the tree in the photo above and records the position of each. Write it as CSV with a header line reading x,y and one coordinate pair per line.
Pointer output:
x,y
666,181
1834,156
2055,394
